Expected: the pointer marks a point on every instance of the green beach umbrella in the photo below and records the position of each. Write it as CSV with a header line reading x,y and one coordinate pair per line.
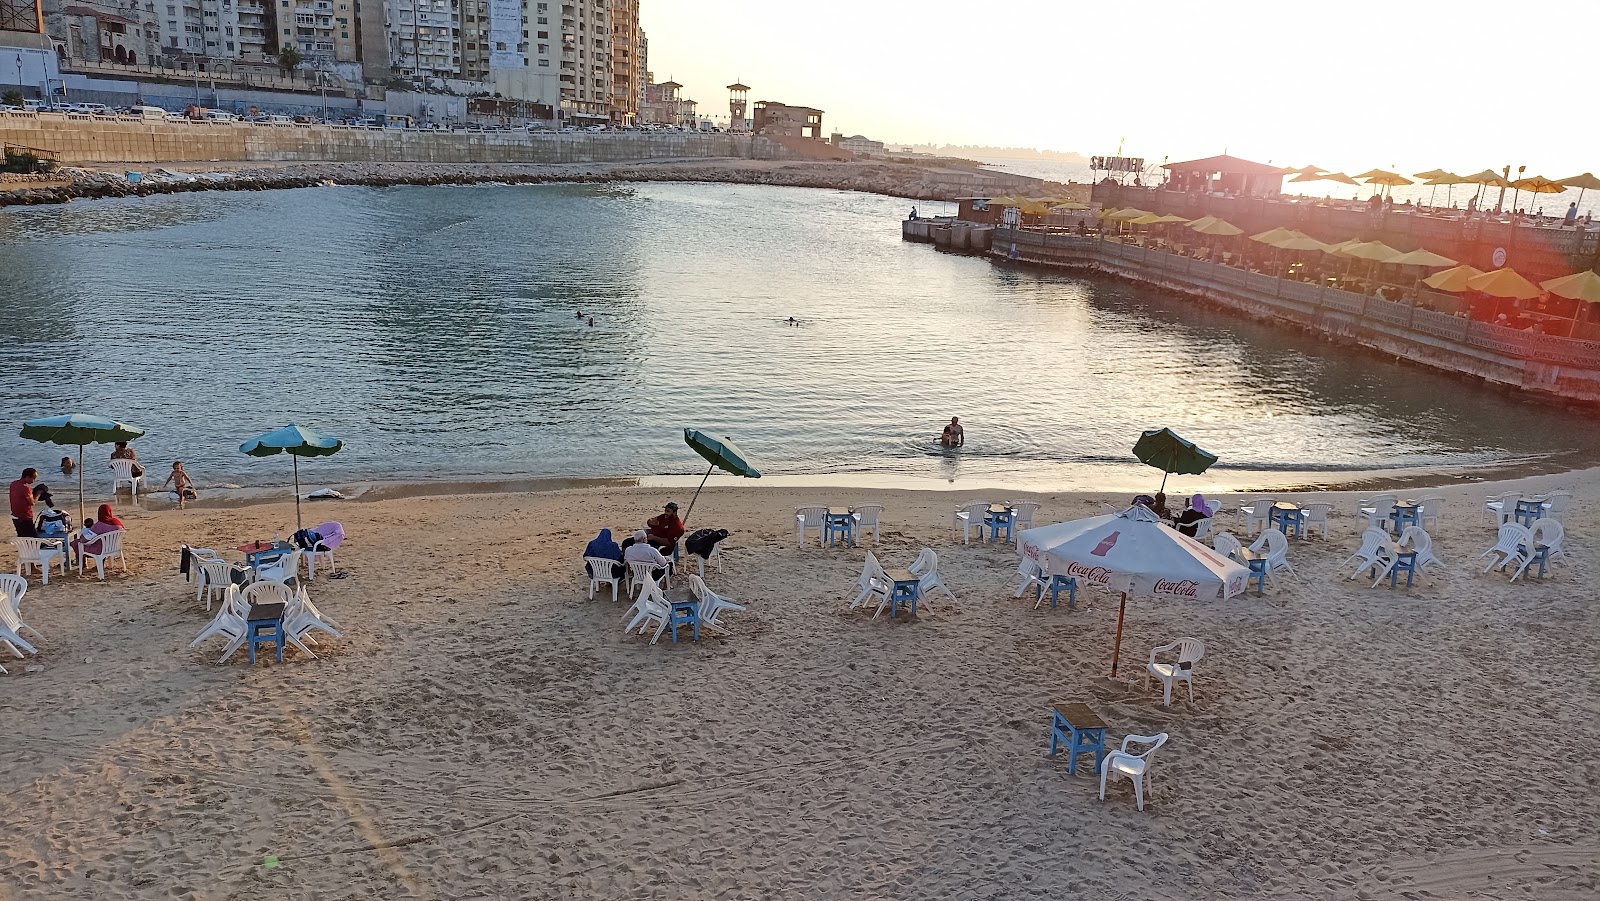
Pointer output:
x,y
79,429
1166,451
297,441
721,454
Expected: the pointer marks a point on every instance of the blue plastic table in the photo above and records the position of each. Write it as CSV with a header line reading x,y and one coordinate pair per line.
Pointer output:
x,y
905,586
1081,731
264,626
1285,515
684,613
1541,556
841,523
1404,560
1528,511
997,518
1406,515
1057,583
1257,564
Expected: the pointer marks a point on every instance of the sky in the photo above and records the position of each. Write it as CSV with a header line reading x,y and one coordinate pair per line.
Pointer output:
x,y
1403,84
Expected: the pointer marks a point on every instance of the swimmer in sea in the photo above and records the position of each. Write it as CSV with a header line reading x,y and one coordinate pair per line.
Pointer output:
x,y
793,321
954,435
591,322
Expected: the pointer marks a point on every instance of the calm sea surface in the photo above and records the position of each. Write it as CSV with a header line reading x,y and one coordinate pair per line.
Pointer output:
x,y
434,330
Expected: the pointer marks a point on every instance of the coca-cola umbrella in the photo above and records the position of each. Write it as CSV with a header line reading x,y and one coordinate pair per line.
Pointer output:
x,y
1132,552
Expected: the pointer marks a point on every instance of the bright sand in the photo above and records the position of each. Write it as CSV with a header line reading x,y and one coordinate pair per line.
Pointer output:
x,y
485,731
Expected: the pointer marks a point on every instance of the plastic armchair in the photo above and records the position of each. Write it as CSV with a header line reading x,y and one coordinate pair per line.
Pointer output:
x,y
198,555
1428,510
1190,650
12,589
711,604
1545,532
1227,545
301,618
211,577
109,545
1133,767
602,571
1202,528
229,624
319,551
714,557
1416,539
283,569
1257,511
1022,517
807,518
969,516
651,605
41,554
1502,508
641,574
122,474
872,581
1376,551
1376,510
1555,505
1031,574
1512,542
1314,516
1276,546
926,569
867,517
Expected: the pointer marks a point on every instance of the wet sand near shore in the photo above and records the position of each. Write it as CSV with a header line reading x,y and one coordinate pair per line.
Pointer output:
x,y
485,730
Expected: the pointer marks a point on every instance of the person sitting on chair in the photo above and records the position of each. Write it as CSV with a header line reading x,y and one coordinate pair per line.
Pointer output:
x,y
604,548
663,531
641,551
1188,522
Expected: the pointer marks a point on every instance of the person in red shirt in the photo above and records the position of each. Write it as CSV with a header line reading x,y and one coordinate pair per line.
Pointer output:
x,y
22,504
664,531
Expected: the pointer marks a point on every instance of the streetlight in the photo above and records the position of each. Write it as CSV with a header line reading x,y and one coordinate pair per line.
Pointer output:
x,y
19,73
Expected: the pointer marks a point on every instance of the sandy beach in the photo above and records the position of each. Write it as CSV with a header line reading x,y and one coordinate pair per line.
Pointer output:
x,y
485,731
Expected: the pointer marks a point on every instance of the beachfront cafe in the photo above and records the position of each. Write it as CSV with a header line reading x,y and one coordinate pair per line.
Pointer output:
x,y
1224,176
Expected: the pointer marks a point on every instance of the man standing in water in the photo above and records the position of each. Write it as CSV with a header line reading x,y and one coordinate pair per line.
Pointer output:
x,y
954,435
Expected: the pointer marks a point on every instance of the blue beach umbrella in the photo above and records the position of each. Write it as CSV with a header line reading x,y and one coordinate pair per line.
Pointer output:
x,y
79,429
721,454
297,441
1167,451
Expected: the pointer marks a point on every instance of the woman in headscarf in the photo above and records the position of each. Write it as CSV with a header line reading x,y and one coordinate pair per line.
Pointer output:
x,y
1188,522
603,547
105,520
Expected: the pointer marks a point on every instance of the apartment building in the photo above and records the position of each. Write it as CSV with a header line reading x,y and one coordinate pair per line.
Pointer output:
x,y
625,35
424,38
111,31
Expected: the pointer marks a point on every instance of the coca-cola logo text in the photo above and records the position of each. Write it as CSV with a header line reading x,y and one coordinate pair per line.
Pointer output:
x,y
1185,588
1097,574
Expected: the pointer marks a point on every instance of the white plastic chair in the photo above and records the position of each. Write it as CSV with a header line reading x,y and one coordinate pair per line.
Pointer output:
x,y
1257,512
297,620
109,544
1417,540
806,518
1428,510
1277,548
1315,516
1376,510
1555,505
1227,545
1509,547
40,554
1031,574
198,555
211,577
872,581
1376,551
318,551
602,572
1547,532
716,557
867,517
1502,508
1190,650
650,605
641,573
1216,507
1022,517
711,604
926,569
969,516
12,588
228,624
122,474
1203,527
283,569
1133,767
302,617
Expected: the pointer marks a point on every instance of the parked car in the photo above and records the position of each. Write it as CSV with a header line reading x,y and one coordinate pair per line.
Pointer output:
x,y
147,112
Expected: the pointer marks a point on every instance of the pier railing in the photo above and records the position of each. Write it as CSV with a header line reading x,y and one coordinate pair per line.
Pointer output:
x,y
1293,297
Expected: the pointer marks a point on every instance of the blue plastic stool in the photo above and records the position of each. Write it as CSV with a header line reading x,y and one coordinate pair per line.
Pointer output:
x,y
904,591
843,528
1541,556
1527,512
1405,560
1087,737
685,614
1056,584
264,631
997,521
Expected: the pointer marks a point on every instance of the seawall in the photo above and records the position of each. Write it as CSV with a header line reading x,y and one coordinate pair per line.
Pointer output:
x,y
1553,367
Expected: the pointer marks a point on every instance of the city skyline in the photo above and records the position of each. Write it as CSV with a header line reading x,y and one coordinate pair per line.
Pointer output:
x,y
1368,84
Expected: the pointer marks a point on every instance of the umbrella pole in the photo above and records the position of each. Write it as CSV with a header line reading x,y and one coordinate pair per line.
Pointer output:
x,y
1116,646
697,494
80,485
1163,488
297,525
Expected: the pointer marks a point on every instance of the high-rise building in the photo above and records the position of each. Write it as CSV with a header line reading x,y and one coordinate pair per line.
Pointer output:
x,y
641,71
424,38
624,68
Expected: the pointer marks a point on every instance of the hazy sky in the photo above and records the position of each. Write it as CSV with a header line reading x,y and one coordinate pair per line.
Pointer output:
x,y
1412,84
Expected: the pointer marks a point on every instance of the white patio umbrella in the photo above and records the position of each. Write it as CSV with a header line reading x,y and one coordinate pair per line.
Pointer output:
x,y
1132,552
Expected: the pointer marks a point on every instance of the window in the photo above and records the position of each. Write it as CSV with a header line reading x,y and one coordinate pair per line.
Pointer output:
x,y
542,62
542,34
544,20
544,48
345,35
230,45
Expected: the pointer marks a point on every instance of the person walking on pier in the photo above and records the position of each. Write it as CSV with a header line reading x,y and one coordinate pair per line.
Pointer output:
x,y
1572,214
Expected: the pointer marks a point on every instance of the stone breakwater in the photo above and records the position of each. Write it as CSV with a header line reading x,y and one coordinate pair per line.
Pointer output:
x,y
891,179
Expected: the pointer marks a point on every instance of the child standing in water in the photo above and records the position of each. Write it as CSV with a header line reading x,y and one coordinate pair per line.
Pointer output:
x,y
181,483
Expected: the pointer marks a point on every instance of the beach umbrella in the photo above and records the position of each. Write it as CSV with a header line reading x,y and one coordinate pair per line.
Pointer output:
x,y
1535,184
1215,227
1068,206
296,441
1583,182
1105,213
1428,175
1148,219
1452,280
1423,258
721,454
1377,251
1167,451
1339,177
1170,217
1303,170
1127,215
1504,283
1273,235
1387,179
1370,173
1578,286
1301,242
1033,207
1448,179
1131,552
79,429
1488,178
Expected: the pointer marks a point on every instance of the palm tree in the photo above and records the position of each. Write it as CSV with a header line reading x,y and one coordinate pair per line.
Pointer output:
x,y
289,60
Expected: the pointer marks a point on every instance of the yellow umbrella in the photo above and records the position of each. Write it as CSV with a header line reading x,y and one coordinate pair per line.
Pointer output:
x,y
1303,170
1423,258
1536,184
1033,207
1340,247
1147,219
1452,279
1302,242
1578,286
1377,251
1339,177
1584,182
1446,178
1504,283
1488,178
1172,218
1389,179
1066,206
1273,235
1371,172
1106,213
1127,215
1216,227
1431,173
